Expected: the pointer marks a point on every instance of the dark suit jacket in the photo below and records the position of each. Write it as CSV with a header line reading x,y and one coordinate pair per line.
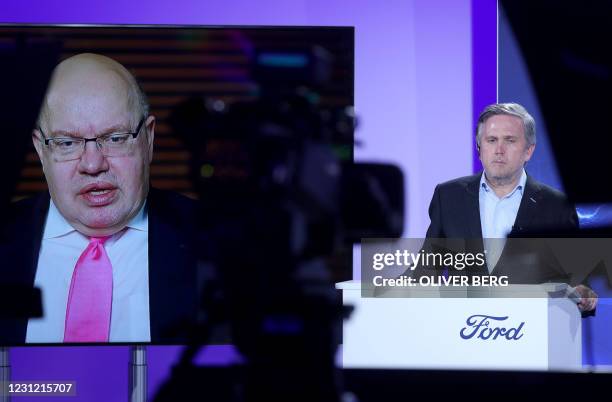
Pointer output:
x,y
173,299
455,213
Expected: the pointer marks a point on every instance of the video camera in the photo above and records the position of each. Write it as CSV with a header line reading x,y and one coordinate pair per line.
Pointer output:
x,y
283,203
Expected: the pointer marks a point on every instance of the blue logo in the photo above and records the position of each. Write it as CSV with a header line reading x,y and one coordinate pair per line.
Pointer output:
x,y
484,327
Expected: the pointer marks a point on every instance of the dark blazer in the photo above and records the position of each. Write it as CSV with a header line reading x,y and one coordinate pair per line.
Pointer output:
x,y
173,299
455,213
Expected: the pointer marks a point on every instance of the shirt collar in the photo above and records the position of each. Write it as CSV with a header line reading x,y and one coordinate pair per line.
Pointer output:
x,y
519,187
57,226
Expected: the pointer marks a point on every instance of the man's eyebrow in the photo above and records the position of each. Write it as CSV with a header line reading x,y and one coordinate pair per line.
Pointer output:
x,y
112,129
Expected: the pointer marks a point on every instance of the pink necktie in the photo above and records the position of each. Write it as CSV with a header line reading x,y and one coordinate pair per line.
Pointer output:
x,y
88,311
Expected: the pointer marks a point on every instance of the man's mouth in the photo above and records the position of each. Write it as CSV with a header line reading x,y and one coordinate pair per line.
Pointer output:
x,y
98,194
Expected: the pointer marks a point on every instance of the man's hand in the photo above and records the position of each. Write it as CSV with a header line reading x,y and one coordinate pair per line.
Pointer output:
x,y
588,300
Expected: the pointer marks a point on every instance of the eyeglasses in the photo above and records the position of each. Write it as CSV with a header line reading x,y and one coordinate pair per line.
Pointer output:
x,y
71,148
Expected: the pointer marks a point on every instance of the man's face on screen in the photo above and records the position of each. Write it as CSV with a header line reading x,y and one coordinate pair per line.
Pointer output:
x,y
503,148
97,194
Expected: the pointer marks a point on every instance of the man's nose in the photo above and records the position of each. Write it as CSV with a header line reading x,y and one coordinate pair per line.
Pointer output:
x,y
500,148
92,161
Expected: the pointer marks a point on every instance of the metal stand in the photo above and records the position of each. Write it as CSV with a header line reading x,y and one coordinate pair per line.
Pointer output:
x,y
5,374
137,385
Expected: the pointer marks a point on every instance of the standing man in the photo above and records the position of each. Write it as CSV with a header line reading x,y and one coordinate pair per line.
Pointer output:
x,y
115,261
503,199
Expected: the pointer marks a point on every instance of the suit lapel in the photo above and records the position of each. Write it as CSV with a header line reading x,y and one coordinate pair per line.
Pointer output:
x,y
39,217
172,277
19,253
473,243
473,207
528,207
25,239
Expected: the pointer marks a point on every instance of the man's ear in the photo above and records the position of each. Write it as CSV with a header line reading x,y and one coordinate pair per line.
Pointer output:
x,y
150,131
529,152
38,144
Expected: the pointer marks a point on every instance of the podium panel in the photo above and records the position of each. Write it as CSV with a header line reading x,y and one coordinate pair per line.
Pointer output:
x,y
517,333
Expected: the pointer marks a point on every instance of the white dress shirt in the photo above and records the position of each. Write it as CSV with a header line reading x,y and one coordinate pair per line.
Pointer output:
x,y
128,252
497,216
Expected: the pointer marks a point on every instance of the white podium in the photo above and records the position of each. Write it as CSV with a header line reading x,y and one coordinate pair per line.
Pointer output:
x,y
462,329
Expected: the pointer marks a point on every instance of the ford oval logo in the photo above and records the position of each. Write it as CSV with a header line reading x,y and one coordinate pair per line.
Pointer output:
x,y
487,327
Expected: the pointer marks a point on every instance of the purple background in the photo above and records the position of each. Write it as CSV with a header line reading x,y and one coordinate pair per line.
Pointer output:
x,y
484,62
422,69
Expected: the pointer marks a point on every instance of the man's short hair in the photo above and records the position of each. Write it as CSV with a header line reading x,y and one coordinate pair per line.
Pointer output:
x,y
137,99
512,109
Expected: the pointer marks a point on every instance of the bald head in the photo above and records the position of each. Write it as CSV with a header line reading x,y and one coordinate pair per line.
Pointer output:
x,y
87,75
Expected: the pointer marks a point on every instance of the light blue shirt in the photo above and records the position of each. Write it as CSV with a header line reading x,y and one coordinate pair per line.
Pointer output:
x,y
128,252
497,216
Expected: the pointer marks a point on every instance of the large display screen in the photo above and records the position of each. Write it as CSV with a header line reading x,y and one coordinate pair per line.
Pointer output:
x,y
226,125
